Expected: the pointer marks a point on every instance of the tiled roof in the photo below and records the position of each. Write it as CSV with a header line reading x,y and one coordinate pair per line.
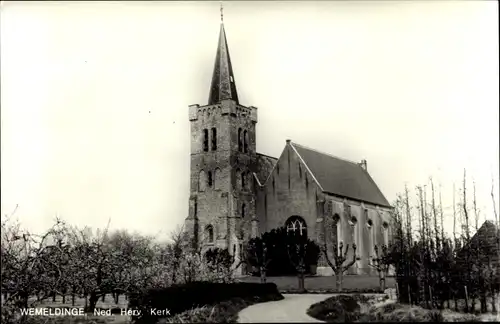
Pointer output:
x,y
341,177
265,165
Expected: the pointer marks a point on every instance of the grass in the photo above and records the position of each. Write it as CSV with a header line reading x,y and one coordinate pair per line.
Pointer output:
x,y
322,284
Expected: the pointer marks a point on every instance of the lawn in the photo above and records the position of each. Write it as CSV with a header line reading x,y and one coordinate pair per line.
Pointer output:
x,y
360,282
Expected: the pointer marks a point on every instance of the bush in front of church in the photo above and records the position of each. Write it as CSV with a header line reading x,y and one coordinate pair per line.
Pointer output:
x,y
277,254
181,298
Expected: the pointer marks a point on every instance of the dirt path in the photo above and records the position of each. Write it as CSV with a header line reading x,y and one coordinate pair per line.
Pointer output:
x,y
291,309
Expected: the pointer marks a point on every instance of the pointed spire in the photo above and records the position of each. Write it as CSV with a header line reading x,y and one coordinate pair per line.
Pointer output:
x,y
223,84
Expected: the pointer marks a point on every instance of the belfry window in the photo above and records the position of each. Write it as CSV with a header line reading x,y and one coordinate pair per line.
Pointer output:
x,y
243,207
205,140
296,225
214,139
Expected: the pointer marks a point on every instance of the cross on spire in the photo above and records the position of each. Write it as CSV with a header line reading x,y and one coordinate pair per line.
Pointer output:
x,y
221,13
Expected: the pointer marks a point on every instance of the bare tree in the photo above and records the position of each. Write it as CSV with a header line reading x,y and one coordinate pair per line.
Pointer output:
x,y
338,260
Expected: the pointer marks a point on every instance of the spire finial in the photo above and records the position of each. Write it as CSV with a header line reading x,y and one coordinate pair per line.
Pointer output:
x,y
221,13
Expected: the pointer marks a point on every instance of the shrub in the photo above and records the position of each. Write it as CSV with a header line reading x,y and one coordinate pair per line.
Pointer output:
x,y
180,298
337,309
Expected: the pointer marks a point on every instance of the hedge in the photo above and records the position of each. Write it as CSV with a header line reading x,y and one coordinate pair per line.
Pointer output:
x,y
179,298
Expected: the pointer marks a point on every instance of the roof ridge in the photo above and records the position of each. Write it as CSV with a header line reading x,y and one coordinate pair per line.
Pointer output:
x,y
272,157
331,155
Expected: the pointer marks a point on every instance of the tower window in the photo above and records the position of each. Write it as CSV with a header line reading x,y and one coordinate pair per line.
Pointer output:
x,y
214,139
210,178
245,141
209,233
240,142
243,206
205,140
217,179
202,181
243,181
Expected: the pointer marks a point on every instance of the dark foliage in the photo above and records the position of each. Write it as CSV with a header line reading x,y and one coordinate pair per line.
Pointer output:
x,y
337,309
180,298
277,242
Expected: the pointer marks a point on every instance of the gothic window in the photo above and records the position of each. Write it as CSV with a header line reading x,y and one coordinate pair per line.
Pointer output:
x,y
238,179
202,181
195,208
385,230
300,171
243,207
245,141
217,179
210,179
209,233
214,139
240,140
205,140
296,225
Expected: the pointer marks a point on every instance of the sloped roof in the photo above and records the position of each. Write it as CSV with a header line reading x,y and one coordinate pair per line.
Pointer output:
x,y
341,177
223,83
265,165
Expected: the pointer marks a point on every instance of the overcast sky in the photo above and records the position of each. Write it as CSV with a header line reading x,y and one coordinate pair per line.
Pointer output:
x,y
94,97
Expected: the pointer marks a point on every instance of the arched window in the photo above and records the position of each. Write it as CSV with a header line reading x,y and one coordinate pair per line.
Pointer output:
x,y
243,210
385,227
202,181
205,140
210,178
296,225
243,180
217,179
245,141
209,233
214,139
240,140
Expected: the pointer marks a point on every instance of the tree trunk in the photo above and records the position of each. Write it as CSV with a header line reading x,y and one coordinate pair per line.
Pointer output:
x,y
53,297
104,298
64,298
262,275
72,299
339,281
116,297
382,283
92,302
301,282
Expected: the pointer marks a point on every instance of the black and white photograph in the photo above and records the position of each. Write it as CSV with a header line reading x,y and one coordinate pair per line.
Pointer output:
x,y
249,161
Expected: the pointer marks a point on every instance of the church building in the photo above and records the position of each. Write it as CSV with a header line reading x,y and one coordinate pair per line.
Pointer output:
x,y
237,194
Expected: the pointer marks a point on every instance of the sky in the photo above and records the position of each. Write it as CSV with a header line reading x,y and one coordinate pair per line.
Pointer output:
x,y
95,95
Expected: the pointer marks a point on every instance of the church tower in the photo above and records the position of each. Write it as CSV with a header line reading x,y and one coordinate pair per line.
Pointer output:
x,y
222,198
